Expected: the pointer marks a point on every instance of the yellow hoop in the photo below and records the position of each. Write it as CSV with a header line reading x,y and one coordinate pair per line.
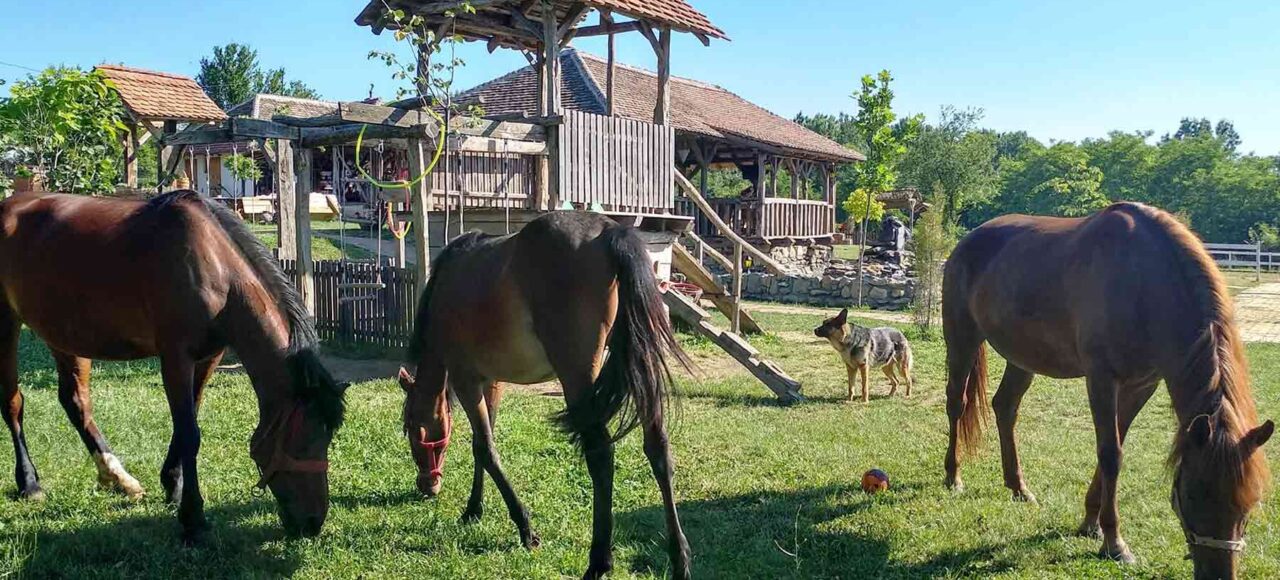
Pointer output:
x,y
435,158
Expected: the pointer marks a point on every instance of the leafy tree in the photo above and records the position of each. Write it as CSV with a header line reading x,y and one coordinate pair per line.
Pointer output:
x,y
232,75
859,211
1055,180
1126,161
932,241
66,122
885,147
954,155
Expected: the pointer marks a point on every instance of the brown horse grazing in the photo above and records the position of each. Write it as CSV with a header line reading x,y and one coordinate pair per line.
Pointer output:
x,y
1123,298
530,307
181,278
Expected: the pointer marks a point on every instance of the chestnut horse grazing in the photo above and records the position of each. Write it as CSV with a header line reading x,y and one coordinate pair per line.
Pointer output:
x,y
530,307
181,278
1123,298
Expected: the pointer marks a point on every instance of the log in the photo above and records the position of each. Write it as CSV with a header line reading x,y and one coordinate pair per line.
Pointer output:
x,y
692,192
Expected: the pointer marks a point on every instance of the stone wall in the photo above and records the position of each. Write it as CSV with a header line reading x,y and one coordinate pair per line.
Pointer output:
x,y
882,293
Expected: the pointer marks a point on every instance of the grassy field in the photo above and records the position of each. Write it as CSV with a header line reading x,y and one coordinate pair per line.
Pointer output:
x,y
322,248
766,492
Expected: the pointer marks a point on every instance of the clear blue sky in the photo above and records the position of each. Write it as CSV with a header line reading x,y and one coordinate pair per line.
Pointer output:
x,y
1058,69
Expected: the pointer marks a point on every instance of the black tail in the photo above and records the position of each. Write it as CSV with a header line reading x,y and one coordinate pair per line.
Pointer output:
x,y
634,381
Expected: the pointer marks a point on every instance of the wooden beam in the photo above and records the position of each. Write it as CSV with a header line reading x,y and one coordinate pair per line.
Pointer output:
x,y
490,145
570,18
131,146
326,120
606,20
198,137
692,192
662,110
166,160
286,201
245,128
420,204
550,60
499,129
380,115
323,136
303,165
603,29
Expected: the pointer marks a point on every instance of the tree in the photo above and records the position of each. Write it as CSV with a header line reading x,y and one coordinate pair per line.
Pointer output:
x,y
886,145
232,75
1126,161
954,155
66,122
1055,180
933,242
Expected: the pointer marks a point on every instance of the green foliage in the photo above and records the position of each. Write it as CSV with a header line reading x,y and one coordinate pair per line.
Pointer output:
x,y
232,75
1266,234
1055,180
67,122
858,210
886,144
726,183
933,242
243,167
951,153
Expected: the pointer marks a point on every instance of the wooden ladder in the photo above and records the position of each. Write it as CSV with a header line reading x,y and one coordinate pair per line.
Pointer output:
x,y
786,388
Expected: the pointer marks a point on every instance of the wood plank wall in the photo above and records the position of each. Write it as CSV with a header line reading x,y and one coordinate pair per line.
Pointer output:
x,y
624,165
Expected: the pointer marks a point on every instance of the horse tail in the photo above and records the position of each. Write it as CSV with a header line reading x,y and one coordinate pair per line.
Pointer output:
x,y
634,382
974,415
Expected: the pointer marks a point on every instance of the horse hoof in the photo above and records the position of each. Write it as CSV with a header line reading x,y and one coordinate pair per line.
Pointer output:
x,y
1119,554
596,572
472,516
193,537
954,484
1090,530
531,541
35,496
1025,496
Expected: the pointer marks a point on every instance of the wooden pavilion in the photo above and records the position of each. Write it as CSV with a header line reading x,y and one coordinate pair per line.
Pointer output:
x,y
156,103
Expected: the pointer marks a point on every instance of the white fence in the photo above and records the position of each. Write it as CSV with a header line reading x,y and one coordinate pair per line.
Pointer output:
x,y
1244,256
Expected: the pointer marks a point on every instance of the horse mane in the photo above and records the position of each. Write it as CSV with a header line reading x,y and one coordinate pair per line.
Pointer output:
x,y
311,379
1214,381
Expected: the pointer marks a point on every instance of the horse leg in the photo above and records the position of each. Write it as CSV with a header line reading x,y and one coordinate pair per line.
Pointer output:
x,y
1131,401
658,450
11,404
73,393
1103,403
178,372
486,454
1008,398
475,504
171,472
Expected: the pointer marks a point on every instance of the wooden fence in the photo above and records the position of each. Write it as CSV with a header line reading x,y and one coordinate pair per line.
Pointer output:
x,y
489,180
797,218
362,302
1244,256
624,165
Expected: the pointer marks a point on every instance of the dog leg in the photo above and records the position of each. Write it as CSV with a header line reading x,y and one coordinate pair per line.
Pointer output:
x,y
893,381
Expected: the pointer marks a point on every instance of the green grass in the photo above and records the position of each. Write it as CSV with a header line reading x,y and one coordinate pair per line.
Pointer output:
x,y
766,492
322,248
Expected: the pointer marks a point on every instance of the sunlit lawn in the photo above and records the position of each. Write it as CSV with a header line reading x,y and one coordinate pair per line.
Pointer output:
x,y
766,492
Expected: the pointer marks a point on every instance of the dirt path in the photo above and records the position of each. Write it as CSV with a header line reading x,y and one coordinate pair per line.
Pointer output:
x,y
1258,313
898,317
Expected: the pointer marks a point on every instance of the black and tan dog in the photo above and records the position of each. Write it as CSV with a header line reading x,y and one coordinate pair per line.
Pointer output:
x,y
860,347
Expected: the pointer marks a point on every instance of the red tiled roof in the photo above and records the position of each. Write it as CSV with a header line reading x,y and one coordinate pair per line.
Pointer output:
x,y
677,13
156,95
696,107
265,106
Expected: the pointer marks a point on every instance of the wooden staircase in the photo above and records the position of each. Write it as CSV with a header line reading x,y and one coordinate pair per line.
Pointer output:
x,y
786,388
698,275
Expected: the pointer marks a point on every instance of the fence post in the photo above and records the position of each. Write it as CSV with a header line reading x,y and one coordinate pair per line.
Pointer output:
x,y
1257,275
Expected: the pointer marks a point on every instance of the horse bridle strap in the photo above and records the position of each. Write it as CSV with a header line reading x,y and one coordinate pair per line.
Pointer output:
x,y
1194,539
280,461
436,450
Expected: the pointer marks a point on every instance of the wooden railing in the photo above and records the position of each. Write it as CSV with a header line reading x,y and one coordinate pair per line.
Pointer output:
x,y
486,180
797,218
620,164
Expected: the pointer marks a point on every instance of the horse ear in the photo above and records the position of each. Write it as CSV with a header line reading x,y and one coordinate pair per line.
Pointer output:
x,y
1257,438
1200,430
406,379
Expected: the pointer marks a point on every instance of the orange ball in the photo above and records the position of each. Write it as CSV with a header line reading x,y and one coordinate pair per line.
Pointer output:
x,y
875,481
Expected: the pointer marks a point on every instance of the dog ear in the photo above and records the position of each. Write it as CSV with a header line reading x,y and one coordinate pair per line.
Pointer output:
x,y
843,317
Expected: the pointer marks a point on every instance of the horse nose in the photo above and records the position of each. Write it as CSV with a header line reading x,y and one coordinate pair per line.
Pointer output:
x,y
430,486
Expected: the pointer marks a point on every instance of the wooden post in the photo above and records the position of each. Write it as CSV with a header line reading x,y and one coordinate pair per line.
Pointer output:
x,y
550,59
420,203
131,147
662,111
165,159
286,201
1257,277
760,163
303,165
606,19
737,288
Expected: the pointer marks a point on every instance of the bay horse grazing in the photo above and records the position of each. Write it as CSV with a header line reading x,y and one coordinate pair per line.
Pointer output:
x,y
182,278
527,308
1123,298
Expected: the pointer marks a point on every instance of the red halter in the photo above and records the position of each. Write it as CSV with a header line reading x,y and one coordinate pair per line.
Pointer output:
x,y
280,461
436,449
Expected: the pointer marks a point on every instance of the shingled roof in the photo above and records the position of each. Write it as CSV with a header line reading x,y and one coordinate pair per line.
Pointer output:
x,y
264,106
677,14
697,108
161,96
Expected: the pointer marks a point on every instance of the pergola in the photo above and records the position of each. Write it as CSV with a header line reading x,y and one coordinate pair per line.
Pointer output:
x,y
542,28
155,104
